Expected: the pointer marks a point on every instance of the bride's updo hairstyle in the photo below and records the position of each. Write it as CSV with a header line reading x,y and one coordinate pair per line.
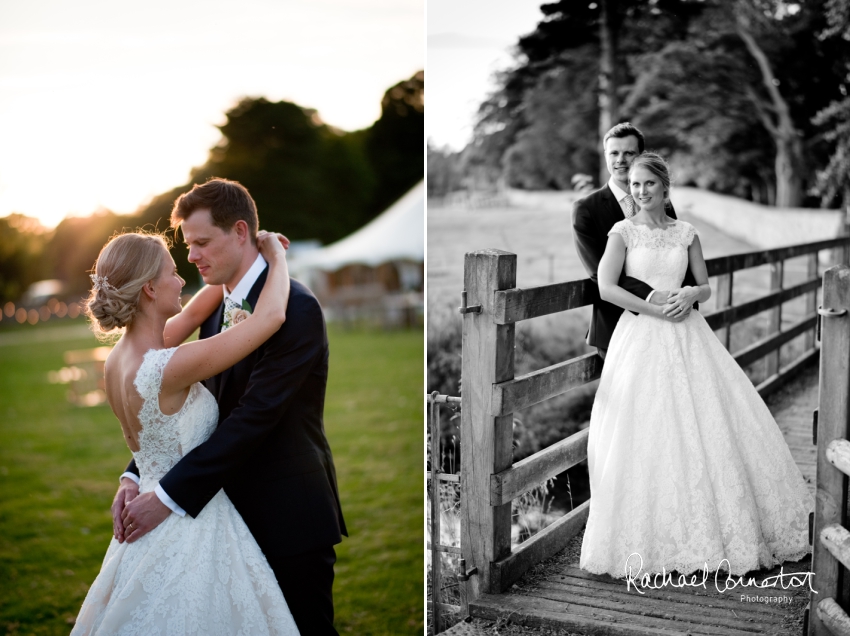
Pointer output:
x,y
124,265
656,165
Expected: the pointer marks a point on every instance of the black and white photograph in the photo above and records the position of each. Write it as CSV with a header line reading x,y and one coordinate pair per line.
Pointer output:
x,y
637,327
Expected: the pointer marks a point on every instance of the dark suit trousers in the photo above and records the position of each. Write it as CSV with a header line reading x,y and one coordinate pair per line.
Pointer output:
x,y
307,584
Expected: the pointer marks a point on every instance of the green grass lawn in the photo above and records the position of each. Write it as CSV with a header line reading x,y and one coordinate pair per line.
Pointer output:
x,y
59,466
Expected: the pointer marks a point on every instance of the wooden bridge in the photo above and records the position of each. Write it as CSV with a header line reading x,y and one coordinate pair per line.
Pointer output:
x,y
539,582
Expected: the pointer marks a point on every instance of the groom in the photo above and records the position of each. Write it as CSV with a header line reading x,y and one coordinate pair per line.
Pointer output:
x,y
269,451
595,215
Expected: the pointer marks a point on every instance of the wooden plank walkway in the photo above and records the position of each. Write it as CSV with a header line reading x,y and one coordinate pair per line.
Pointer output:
x,y
556,594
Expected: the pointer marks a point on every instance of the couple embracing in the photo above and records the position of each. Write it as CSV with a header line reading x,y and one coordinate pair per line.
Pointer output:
x,y
226,518
688,469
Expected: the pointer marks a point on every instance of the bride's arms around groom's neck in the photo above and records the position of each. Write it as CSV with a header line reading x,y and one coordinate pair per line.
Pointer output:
x,y
202,359
183,325
611,267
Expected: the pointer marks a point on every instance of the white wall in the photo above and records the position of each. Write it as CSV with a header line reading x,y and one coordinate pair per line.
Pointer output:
x,y
758,224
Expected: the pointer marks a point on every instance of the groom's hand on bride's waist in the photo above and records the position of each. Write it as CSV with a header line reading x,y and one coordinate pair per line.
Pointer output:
x,y
127,491
659,297
143,514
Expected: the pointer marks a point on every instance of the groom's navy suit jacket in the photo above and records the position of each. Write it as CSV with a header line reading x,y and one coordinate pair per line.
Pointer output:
x,y
269,451
593,218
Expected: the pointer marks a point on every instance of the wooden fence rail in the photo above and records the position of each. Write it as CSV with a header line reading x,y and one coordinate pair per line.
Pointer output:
x,y
492,305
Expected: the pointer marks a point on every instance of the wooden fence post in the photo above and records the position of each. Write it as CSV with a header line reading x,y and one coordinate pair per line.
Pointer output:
x,y
833,414
488,357
775,319
724,300
811,299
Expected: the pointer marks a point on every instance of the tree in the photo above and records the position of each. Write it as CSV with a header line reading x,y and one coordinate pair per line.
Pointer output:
x,y
444,171
609,103
554,144
594,33
76,242
773,112
394,143
834,180
728,88
308,180
686,100
22,241
775,73
311,180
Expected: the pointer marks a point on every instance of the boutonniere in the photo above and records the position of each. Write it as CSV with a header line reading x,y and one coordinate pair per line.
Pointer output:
x,y
235,315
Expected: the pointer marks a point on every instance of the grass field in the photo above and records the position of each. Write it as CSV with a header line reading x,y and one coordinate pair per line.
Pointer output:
x,y
59,466
537,227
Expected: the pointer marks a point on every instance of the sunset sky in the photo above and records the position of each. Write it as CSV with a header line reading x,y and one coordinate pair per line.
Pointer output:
x,y
105,104
468,40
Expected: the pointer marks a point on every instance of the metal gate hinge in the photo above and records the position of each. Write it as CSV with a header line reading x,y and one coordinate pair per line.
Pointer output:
x,y
815,427
811,527
829,312
464,573
475,309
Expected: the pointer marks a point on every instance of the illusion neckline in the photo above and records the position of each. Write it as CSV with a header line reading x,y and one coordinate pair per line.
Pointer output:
x,y
655,229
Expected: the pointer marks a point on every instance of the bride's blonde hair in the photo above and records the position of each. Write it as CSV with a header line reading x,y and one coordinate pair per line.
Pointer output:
x,y
124,265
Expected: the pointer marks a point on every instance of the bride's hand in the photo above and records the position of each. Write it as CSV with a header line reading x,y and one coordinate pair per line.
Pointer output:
x,y
680,301
271,244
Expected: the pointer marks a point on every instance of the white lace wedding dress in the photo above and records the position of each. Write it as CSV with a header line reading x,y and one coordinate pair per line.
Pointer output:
x,y
687,465
200,576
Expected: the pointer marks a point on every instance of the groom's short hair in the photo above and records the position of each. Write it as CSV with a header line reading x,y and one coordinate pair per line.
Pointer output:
x,y
624,130
228,201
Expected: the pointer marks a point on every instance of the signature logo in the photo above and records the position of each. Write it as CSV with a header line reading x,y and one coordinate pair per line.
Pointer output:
x,y
723,581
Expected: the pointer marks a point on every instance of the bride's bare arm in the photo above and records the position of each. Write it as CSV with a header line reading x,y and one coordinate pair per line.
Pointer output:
x,y
610,268
681,299
183,325
195,361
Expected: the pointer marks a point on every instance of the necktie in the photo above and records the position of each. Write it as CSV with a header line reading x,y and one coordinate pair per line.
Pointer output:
x,y
630,206
229,304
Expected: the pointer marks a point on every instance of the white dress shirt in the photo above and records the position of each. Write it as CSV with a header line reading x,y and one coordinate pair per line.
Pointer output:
x,y
243,287
239,293
621,195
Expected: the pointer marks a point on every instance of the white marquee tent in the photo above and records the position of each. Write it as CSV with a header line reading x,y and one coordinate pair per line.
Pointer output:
x,y
375,273
396,235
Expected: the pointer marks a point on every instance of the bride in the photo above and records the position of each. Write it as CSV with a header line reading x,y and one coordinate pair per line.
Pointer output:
x,y
205,575
688,469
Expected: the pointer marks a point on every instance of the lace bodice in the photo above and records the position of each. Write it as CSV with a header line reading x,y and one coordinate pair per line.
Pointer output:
x,y
164,439
657,257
